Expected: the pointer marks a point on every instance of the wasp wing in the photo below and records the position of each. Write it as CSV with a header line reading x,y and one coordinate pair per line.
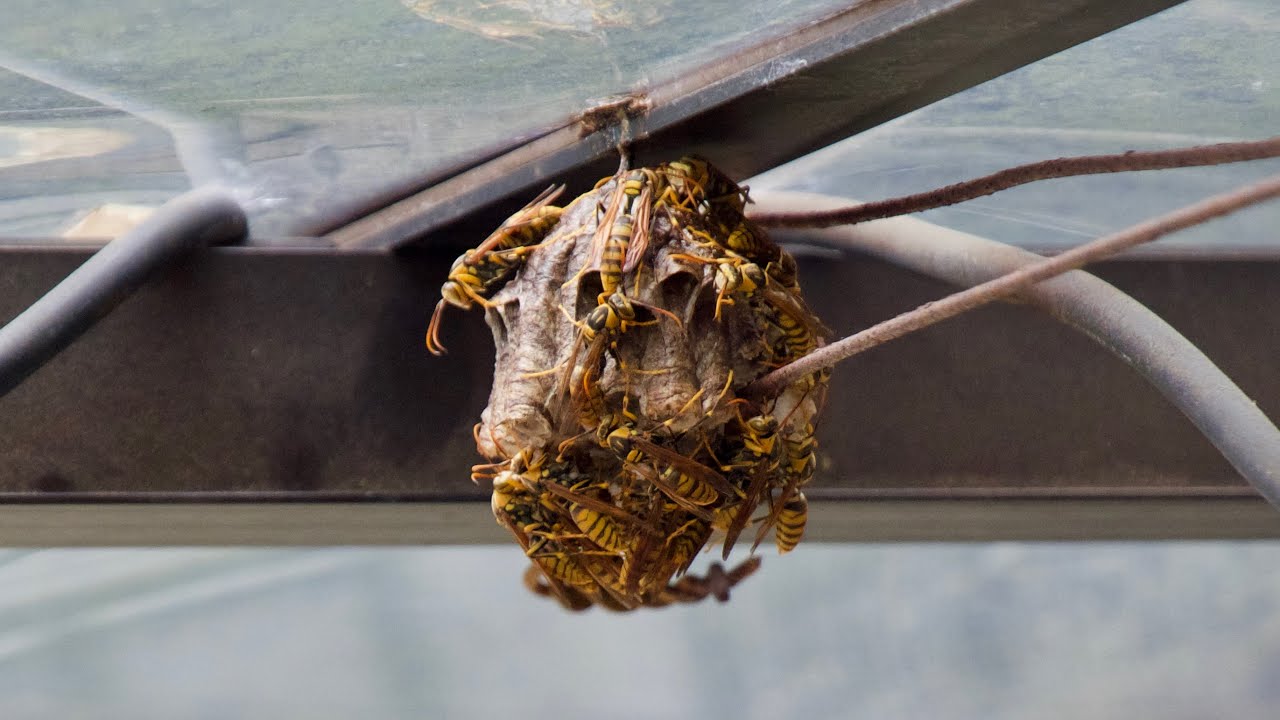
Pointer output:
x,y
600,506
685,504
759,481
521,218
685,465
640,229
776,506
785,302
601,236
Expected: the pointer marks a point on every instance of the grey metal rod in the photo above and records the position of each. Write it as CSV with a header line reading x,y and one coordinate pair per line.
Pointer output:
x,y
193,220
1122,325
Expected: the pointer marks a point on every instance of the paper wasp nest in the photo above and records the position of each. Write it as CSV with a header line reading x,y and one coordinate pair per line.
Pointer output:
x,y
626,325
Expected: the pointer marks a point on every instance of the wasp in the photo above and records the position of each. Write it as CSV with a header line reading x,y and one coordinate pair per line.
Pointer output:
x,y
706,189
574,572
737,278
760,435
527,226
586,572
623,235
757,458
563,565
689,176
477,272
789,515
527,514
653,478
687,486
798,338
598,518
683,480
580,568
590,505
683,545
800,455
784,272
798,330
600,331
790,510
717,583
748,240
568,596
582,382
603,530
614,255
734,275
516,508
791,519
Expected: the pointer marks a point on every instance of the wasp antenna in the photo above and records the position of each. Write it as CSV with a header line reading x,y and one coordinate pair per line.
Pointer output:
x,y
539,373
568,315
728,383
657,310
569,443
547,196
433,331
685,408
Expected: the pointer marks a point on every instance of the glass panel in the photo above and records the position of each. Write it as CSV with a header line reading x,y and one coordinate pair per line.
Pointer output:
x,y
987,632
297,104
1202,72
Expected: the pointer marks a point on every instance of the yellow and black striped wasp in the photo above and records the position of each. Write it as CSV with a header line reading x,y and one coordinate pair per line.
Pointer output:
x,y
477,272
789,511
600,331
588,502
573,570
688,483
518,509
622,236
754,465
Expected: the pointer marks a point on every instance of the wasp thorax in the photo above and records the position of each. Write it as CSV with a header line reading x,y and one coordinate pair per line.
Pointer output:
x,y
618,453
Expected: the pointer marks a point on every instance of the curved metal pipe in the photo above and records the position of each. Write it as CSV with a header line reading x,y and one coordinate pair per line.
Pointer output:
x,y
1122,325
193,220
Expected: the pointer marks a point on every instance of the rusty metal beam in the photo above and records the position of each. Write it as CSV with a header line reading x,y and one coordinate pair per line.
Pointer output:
x,y
253,383
944,516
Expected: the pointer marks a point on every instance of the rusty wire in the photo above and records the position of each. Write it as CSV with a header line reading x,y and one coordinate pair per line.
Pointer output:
x,y
1014,282
1200,155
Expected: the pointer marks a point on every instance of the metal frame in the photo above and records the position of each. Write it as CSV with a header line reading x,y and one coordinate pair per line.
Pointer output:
x,y
253,389
870,517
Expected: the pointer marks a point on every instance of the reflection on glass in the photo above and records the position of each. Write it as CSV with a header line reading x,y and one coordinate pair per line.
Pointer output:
x,y
298,104
1202,72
